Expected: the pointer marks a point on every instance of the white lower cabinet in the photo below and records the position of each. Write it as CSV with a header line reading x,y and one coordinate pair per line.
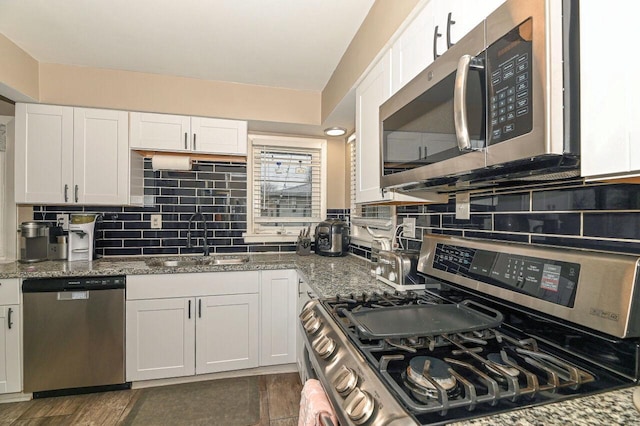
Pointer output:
x,y
227,333
278,311
10,352
198,323
10,376
160,338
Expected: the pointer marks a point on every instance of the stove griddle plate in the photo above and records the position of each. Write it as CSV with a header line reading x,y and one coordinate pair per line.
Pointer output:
x,y
424,320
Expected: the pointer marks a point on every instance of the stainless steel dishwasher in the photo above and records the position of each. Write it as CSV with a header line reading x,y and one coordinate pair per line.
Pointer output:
x,y
74,335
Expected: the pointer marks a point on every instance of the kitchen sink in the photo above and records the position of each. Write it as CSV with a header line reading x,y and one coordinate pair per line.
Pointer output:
x,y
198,261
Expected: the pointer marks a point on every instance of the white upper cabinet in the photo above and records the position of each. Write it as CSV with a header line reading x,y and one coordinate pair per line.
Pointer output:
x,y
68,155
370,94
609,101
101,156
413,50
178,133
455,18
44,153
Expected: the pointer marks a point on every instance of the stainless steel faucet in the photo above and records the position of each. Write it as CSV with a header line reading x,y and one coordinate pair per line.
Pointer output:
x,y
205,244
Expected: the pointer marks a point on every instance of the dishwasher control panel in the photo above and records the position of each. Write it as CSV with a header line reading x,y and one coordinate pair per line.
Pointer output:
x,y
73,284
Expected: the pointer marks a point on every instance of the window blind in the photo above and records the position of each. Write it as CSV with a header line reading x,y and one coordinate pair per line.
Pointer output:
x,y
286,185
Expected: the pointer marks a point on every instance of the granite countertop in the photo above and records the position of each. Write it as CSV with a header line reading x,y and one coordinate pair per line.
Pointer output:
x,y
328,276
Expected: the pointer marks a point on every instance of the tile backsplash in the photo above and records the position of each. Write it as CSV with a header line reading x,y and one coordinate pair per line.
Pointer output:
x,y
570,214
219,190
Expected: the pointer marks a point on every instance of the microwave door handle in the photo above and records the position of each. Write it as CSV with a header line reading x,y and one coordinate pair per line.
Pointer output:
x,y
459,104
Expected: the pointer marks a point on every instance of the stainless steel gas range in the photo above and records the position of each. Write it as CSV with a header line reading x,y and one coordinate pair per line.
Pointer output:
x,y
510,326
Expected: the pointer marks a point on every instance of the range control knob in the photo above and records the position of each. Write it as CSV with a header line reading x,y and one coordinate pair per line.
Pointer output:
x,y
345,380
306,314
392,276
359,406
324,346
312,325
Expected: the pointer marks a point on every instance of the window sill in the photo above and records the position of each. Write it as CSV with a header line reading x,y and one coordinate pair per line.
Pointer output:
x,y
269,238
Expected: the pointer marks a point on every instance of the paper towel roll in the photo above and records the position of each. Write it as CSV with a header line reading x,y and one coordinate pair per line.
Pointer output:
x,y
170,162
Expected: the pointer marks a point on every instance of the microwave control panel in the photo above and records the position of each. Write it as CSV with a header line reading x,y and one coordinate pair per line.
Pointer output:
x,y
509,62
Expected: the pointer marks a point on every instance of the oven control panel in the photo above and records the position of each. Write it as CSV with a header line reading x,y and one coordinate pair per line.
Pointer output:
x,y
546,279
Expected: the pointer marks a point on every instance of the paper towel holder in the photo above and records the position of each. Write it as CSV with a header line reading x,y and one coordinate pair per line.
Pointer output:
x,y
170,162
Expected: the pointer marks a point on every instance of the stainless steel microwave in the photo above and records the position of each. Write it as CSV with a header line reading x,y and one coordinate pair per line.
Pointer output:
x,y
500,105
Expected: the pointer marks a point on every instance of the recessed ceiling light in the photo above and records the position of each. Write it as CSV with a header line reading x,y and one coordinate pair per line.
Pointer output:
x,y
335,131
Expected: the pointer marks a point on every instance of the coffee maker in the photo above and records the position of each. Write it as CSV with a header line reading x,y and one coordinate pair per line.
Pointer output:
x,y
82,237
34,239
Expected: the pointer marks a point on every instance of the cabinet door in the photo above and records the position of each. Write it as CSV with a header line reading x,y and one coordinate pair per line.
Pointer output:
x,y
370,94
10,377
609,104
160,338
44,154
159,132
278,298
465,15
216,136
413,51
227,333
101,156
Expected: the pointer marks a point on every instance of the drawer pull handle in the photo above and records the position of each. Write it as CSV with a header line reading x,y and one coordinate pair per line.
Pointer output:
x,y
9,322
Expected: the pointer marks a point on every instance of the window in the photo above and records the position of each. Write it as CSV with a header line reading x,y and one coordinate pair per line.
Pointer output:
x,y
378,218
286,186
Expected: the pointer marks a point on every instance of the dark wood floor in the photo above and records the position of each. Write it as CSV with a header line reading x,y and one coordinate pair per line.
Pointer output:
x,y
279,405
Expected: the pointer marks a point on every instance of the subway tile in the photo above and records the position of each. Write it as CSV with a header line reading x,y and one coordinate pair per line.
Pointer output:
x,y
122,251
202,167
629,247
137,225
476,221
142,243
122,234
230,168
232,249
159,250
501,203
192,184
595,197
516,238
263,249
430,220
154,233
612,225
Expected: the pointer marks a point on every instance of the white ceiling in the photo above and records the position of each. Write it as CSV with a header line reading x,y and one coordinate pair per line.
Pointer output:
x,y
281,43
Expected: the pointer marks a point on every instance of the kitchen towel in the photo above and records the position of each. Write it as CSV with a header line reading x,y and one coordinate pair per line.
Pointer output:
x,y
314,406
171,162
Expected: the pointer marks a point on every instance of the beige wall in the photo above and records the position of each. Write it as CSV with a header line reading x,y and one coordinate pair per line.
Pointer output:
x,y
335,174
18,70
7,108
93,87
384,18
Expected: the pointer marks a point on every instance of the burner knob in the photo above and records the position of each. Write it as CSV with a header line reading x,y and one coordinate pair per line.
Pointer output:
x,y
324,346
306,315
312,325
359,406
392,276
345,381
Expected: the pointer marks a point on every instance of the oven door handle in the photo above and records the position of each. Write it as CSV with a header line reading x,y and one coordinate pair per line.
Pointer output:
x,y
460,113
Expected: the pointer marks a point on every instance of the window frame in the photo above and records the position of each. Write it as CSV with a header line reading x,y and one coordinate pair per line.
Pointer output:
x,y
285,233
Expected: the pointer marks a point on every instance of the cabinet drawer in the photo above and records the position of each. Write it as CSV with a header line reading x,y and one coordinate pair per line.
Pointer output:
x,y
192,284
9,291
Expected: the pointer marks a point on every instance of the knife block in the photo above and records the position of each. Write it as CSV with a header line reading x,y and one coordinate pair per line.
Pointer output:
x,y
303,246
